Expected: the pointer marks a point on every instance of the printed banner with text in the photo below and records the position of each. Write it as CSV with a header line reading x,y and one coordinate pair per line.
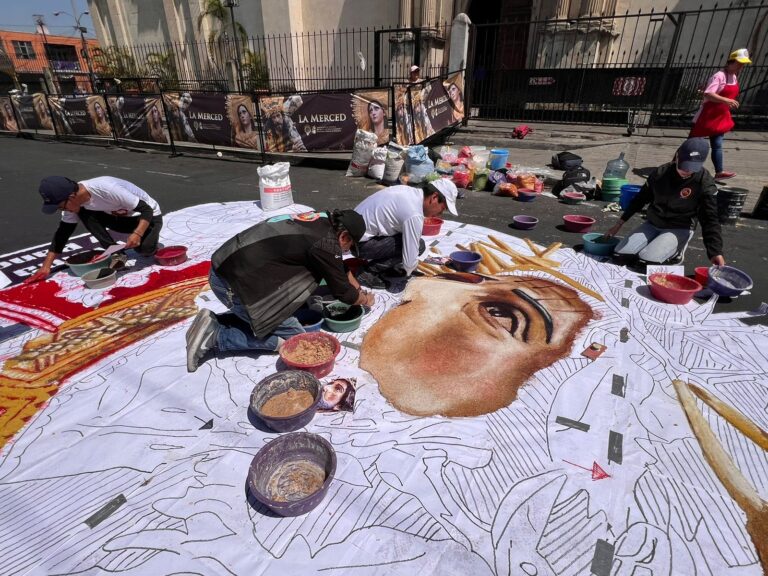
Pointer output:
x,y
7,117
32,112
138,118
86,116
437,104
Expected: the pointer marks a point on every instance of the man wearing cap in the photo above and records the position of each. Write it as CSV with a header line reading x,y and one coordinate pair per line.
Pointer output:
x,y
679,194
101,204
394,218
414,75
265,273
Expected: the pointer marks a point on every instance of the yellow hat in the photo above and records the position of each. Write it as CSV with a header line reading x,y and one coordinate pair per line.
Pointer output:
x,y
741,55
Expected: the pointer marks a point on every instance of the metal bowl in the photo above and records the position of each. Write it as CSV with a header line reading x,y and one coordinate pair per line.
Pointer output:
x,y
292,473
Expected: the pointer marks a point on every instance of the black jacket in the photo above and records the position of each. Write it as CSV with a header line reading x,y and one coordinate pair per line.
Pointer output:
x,y
275,266
675,202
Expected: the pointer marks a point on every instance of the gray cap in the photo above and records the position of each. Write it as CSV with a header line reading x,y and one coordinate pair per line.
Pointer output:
x,y
692,154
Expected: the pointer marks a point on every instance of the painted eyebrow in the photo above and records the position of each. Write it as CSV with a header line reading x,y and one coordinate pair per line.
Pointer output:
x,y
548,326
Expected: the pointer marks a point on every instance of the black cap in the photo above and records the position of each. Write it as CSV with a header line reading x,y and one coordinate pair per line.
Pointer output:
x,y
353,223
692,154
55,190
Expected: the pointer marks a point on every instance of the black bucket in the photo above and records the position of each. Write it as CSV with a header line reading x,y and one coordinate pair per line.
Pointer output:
x,y
761,208
730,202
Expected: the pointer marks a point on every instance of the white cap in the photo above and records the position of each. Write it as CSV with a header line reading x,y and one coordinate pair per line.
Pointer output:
x,y
448,189
414,68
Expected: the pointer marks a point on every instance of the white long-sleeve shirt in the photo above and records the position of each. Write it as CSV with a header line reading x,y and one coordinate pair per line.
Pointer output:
x,y
396,210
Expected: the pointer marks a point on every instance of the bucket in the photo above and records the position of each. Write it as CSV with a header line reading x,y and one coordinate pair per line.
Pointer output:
x,y
628,192
730,201
499,159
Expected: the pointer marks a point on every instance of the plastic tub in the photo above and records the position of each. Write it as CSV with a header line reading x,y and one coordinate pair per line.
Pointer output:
x,y
284,473
577,223
340,317
465,261
319,368
728,281
672,288
523,222
701,275
498,158
310,320
572,197
82,262
280,383
526,195
628,192
431,226
171,255
102,278
598,244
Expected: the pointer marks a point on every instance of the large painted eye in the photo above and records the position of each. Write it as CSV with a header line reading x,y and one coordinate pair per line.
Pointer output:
x,y
507,317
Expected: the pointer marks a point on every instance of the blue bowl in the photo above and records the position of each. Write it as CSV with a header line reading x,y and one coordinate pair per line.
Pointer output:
x,y
596,243
465,261
310,320
728,281
526,195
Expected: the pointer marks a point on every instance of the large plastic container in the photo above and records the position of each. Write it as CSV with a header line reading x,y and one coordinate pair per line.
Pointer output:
x,y
498,158
628,192
730,202
616,168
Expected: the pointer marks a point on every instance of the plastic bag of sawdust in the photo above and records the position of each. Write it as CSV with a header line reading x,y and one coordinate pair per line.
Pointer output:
x,y
393,165
377,164
275,186
362,150
418,164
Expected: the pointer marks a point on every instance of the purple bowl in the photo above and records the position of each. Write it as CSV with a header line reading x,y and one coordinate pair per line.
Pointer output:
x,y
278,383
465,261
728,281
523,222
292,473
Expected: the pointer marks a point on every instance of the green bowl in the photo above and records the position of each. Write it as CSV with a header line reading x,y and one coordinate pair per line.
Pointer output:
x,y
340,317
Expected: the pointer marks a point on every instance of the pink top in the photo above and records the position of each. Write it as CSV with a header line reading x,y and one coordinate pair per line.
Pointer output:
x,y
716,83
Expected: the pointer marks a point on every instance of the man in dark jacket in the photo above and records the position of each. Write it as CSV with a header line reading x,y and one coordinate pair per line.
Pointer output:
x,y
265,273
679,194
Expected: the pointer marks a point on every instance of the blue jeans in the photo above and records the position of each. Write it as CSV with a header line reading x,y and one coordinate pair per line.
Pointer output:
x,y
716,143
655,245
235,332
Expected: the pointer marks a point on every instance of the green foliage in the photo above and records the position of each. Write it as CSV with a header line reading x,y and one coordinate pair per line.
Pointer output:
x,y
115,62
255,71
163,66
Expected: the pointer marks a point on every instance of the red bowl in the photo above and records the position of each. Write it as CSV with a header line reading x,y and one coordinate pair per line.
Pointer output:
x,y
701,275
171,255
317,369
577,223
431,226
672,288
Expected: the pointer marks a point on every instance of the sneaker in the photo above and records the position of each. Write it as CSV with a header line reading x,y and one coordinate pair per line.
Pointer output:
x,y
676,259
201,338
119,261
371,280
724,175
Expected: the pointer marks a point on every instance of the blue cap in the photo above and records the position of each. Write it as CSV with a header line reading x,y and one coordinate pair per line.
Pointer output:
x,y
55,190
692,154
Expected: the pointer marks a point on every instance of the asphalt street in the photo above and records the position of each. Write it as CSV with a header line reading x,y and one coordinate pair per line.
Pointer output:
x,y
184,181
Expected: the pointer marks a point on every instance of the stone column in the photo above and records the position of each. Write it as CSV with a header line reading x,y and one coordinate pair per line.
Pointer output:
x,y
427,13
591,8
457,58
406,12
560,9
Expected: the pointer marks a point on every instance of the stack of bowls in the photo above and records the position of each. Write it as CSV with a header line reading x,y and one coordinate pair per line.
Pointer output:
x,y
611,188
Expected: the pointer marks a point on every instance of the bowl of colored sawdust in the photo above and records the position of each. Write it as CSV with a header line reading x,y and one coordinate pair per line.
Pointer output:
x,y
292,473
83,262
340,317
286,401
102,278
314,352
171,255
431,226
673,289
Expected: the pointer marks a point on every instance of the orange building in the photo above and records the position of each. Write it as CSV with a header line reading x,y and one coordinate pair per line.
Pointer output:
x,y
31,54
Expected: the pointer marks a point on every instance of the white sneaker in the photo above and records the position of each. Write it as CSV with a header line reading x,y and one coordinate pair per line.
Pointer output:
x,y
200,337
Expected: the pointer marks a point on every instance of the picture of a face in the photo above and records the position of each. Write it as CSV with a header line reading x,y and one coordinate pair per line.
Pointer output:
x,y
245,117
461,349
155,114
338,394
376,113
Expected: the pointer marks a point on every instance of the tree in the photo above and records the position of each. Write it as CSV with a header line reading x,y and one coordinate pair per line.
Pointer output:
x,y
215,11
163,67
115,62
255,71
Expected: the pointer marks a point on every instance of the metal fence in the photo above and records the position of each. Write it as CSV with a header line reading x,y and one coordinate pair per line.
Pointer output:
x,y
644,68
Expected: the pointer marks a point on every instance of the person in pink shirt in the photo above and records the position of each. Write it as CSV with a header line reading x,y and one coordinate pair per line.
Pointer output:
x,y
714,119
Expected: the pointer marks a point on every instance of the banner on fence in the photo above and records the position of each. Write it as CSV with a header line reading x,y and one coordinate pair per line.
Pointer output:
x,y
437,104
138,118
403,117
86,116
32,112
7,117
303,122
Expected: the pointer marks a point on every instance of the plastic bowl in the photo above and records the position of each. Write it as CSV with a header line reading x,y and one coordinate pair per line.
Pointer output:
x,y
577,223
340,317
465,261
171,255
526,195
728,281
93,279
284,472
596,243
522,222
81,263
672,288
279,383
310,320
432,226
317,369
701,275
572,197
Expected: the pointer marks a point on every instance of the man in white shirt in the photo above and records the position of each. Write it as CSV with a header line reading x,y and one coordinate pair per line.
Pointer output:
x,y
101,204
394,218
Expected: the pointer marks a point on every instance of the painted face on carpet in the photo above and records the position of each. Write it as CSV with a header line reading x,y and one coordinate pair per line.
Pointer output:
x,y
461,349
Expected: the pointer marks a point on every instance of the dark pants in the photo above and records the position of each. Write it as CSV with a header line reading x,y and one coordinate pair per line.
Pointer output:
x,y
98,223
385,252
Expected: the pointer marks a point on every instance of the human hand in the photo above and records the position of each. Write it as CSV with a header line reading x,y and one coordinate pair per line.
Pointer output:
x,y
733,103
133,240
718,260
614,229
41,274
370,299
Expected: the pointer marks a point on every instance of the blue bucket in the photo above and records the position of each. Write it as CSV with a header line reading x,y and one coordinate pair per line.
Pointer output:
x,y
499,158
628,192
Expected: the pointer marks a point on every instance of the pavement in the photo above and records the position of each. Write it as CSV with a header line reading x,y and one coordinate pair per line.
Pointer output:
x,y
178,182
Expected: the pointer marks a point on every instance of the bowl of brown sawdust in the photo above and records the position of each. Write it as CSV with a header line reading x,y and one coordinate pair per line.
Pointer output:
x,y
314,352
286,401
